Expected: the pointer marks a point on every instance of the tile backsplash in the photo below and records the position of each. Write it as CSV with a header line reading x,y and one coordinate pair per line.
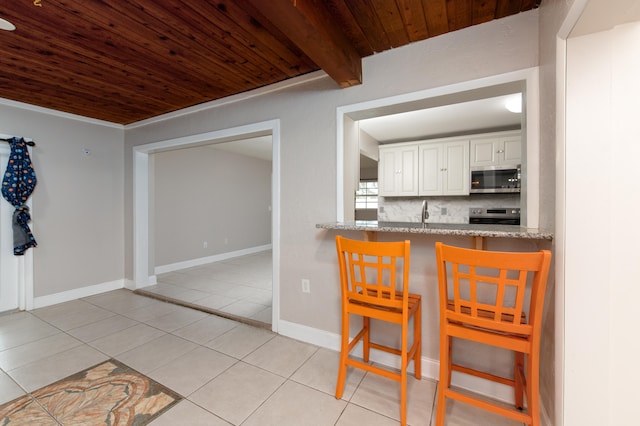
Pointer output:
x,y
441,209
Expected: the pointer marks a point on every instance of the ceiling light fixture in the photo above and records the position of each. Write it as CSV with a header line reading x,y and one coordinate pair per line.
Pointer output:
x,y
6,25
514,103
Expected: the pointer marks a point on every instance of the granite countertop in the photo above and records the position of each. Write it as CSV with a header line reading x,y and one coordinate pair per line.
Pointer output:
x,y
456,229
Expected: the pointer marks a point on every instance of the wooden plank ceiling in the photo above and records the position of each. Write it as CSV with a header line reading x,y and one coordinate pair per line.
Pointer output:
x,y
125,61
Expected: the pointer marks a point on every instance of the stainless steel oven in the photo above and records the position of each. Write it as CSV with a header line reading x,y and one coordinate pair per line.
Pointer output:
x,y
494,215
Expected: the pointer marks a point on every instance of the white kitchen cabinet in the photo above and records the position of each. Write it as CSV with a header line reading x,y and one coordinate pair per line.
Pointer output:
x,y
398,170
444,168
496,150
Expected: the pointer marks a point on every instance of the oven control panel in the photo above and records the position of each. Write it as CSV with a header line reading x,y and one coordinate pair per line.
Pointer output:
x,y
495,215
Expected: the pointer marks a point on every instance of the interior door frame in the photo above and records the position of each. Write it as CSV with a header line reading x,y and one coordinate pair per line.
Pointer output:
x,y
21,267
143,263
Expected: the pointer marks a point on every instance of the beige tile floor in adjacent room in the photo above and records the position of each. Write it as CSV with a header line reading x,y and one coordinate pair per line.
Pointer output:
x,y
240,286
228,372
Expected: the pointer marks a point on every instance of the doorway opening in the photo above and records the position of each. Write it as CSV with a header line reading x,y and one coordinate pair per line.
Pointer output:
x,y
226,256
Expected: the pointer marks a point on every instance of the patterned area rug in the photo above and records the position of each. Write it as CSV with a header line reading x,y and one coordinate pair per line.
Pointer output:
x,y
108,394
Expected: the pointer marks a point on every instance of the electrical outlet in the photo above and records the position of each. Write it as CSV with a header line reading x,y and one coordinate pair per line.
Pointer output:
x,y
443,211
306,286
205,244
226,240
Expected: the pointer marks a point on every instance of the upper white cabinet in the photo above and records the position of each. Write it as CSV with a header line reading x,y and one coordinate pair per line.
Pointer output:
x,y
444,168
496,149
441,166
424,168
398,170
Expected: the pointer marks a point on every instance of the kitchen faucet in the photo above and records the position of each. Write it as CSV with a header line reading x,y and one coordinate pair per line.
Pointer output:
x,y
425,213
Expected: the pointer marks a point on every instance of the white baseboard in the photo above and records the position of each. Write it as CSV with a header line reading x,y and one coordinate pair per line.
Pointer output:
x,y
430,367
310,335
331,341
545,420
484,387
132,285
78,293
209,259
129,284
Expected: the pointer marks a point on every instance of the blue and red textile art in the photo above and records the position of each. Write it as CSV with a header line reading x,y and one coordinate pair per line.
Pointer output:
x,y
18,183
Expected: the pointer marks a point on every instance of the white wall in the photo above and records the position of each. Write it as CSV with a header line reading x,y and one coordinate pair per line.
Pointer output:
x,y
206,194
80,211
601,313
552,16
368,145
78,206
350,166
307,114
78,202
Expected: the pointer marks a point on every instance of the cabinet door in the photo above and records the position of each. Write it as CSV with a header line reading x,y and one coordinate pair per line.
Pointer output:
x,y
483,152
512,150
398,171
456,168
387,171
444,168
408,175
430,169
495,151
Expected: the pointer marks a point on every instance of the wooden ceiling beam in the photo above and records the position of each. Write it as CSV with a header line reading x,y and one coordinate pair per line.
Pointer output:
x,y
128,61
308,24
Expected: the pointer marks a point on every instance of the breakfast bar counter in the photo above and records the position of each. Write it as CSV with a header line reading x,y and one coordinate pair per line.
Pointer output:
x,y
476,231
457,229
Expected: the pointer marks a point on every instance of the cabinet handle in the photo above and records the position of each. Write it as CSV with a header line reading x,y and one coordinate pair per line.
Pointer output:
x,y
500,151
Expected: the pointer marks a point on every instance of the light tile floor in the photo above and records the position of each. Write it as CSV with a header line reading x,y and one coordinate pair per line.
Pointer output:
x,y
240,287
228,372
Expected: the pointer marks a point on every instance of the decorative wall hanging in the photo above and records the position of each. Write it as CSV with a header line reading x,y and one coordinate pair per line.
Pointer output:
x,y
18,183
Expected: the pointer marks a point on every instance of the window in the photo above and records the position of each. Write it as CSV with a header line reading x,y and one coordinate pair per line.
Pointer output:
x,y
367,195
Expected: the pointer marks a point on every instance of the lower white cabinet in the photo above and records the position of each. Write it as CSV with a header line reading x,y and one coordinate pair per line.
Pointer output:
x,y
443,168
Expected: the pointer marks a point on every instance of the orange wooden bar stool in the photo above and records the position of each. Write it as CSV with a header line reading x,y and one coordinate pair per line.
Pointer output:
x,y
482,298
374,280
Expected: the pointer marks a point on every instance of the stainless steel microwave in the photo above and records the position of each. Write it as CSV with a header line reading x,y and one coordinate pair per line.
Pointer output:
x,y
495,179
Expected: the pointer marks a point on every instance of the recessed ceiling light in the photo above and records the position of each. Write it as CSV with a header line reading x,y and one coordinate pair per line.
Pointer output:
x,y
6,25
514,103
